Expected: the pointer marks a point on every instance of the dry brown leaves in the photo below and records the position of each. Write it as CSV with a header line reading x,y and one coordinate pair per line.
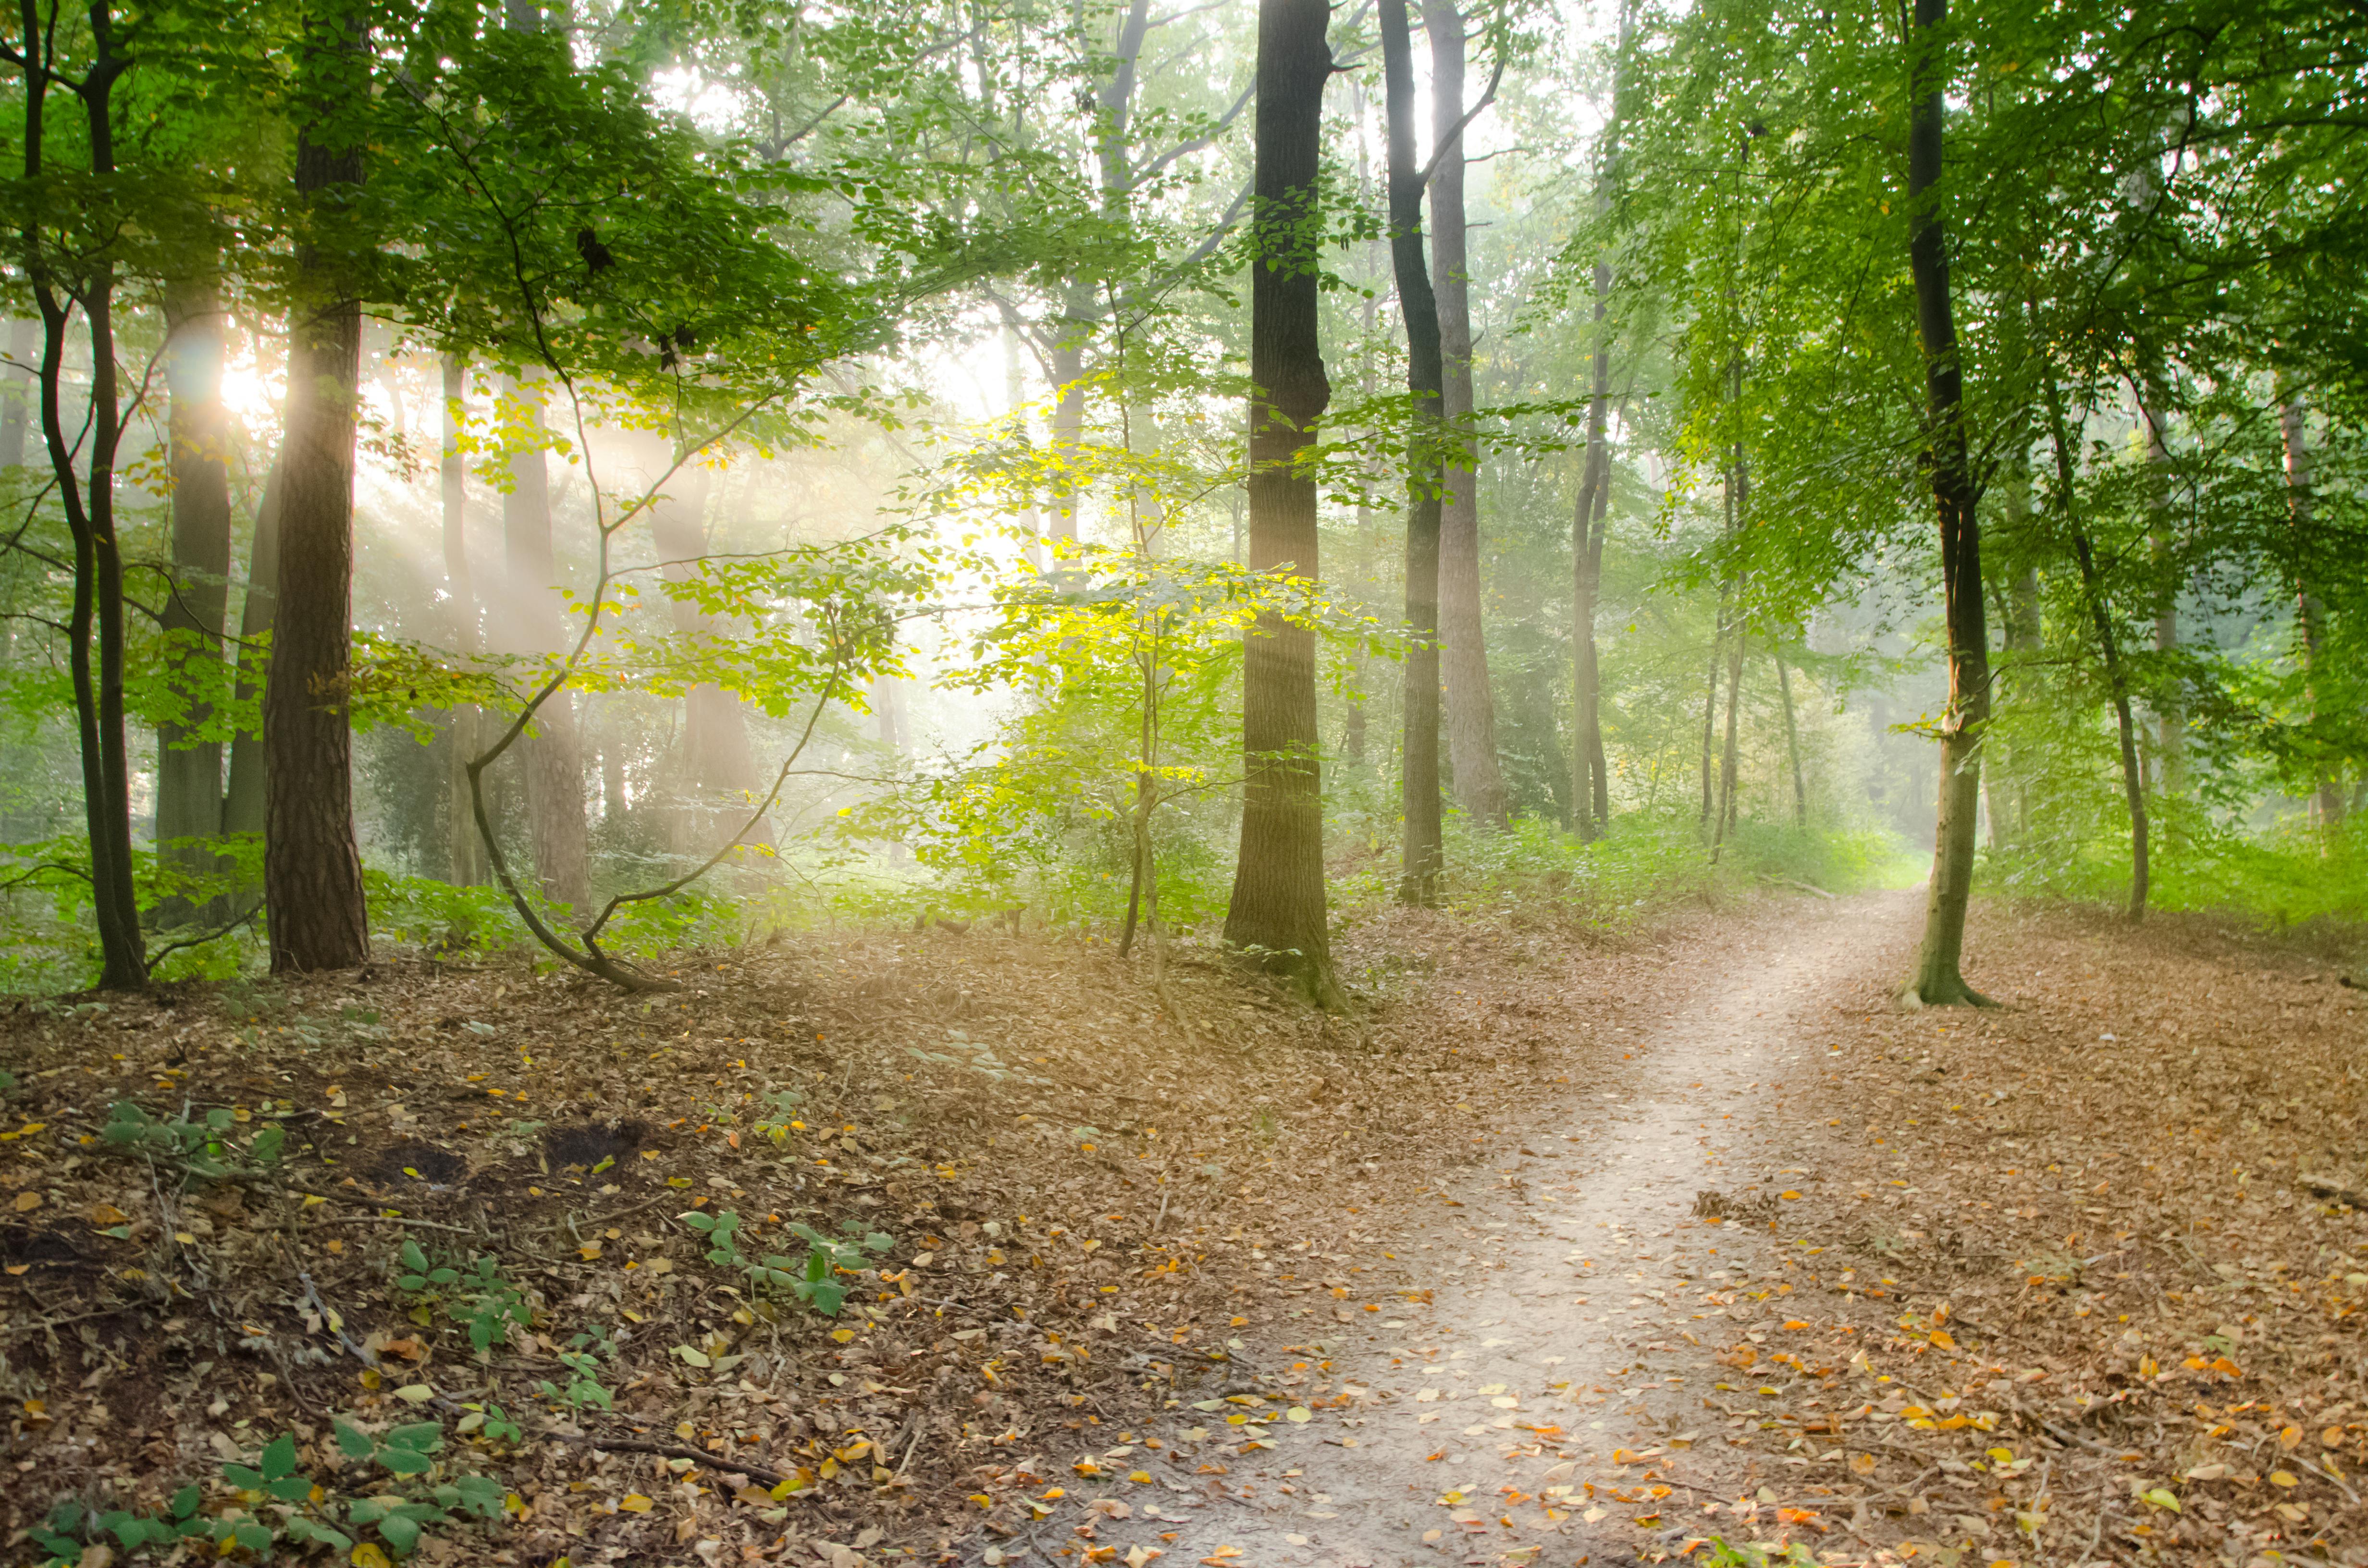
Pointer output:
x,y
1083,1190
2107,1243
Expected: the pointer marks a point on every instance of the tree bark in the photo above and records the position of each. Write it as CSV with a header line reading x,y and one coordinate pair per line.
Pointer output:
x,y
466,866
94,630
2170,747
1939,980
554,751
189,771
1791,735
1278,904
1590,793
311,869
2327,798
1424,854
1470,703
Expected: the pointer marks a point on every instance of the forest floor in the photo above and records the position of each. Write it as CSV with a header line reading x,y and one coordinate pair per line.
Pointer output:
x,y
1564,1249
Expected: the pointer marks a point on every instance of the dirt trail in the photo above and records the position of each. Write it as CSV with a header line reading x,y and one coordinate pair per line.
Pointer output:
x,y
1549,1343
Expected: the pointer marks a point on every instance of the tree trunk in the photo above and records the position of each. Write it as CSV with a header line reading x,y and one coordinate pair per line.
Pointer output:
x,y
2171,720
468,852
16,411
1710,712
258,614
311,869
2327,798
189,771
1791,735
1471,704
1590,793
554,751
96,617
1938,979
1424,852
1278,896
1729,760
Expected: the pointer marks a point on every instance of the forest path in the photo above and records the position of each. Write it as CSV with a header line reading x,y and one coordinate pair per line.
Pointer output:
x,y
1551,1344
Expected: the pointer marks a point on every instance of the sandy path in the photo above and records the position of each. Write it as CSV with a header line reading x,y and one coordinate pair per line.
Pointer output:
x,y
1553,1340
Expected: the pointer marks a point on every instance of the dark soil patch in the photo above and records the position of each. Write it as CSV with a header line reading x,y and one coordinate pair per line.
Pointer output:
x,y
409,1161
589,1143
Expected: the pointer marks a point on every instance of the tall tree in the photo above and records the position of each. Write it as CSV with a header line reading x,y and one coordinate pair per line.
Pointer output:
x,y
67,269
1471,706
1939,980
1590,787
188,766
1278,904
2294,431
468,854
312,868
554,751
1424,854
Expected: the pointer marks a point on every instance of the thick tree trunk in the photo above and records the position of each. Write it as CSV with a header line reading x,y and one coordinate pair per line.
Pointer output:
x,y
554,751
2327,798
1471,704
311,869
1938,979
1278,905
1424,852
467,867
189,771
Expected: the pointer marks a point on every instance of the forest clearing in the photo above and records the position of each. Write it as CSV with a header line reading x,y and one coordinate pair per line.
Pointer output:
x,y
1240,782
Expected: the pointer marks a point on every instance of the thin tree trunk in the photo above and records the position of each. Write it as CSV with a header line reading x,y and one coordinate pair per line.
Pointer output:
x,y
1792,734
2328,797
554,751
1730,759
1471,704
1591,794
1709,713
258,614
467,853
190,770
2171,721
1278,904
1938,979
312,868
16,411
96,616
1424,854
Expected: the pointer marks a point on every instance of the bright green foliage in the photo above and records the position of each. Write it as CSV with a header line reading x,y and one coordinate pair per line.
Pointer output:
x,y
208,1149
271,1505
479,1298
815,1282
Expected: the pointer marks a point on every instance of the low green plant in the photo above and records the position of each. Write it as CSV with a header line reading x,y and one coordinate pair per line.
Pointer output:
x,y
274,1505
209,1148
584,1386
478,1298
815,1282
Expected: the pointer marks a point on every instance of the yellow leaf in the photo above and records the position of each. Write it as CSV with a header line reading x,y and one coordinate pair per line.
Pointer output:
x,y
368,1555
635,1503
981,1499
588,1251
1138,1476
842,1335
1788,1197
27,1202
2284,1478
1299,1413
1940,1338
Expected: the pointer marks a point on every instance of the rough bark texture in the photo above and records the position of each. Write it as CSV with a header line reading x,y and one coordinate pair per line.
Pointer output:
x,y
1278,905
553,753
1939,980
311,869
189,771
1424,853
466,866
1463,643
2326,800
